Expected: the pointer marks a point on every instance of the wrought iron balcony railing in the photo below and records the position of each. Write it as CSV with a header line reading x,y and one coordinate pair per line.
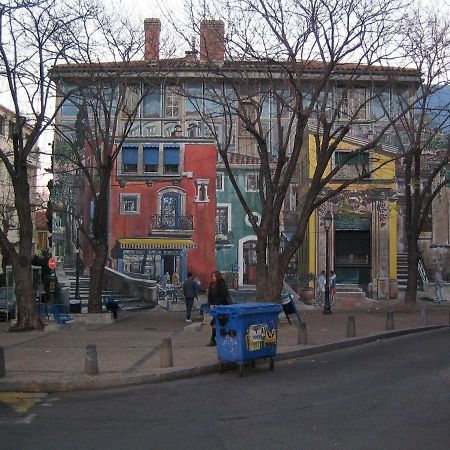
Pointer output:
x,y
171,222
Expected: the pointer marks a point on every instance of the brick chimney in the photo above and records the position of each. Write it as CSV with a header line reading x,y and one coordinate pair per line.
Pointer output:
x,y
212,42
152,28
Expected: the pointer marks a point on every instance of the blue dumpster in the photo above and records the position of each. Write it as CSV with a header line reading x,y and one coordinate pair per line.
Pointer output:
x,y
246,332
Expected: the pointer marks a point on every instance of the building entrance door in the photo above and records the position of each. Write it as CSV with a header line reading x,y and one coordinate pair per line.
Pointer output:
x,y
170,265
249,253
352,251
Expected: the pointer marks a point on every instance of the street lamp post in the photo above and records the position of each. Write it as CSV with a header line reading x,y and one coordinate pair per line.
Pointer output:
x,y
77,302
327,222
77,266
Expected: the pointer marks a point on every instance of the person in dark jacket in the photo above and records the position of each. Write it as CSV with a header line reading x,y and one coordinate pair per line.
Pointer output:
x,y
217,295
190,289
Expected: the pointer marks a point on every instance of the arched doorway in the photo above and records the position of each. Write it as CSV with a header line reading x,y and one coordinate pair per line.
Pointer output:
x,y
249,262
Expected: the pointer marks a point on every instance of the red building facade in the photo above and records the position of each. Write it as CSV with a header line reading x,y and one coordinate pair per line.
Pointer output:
x,y
162,209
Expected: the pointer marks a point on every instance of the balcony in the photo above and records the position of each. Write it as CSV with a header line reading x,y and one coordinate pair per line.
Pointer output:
x,y
173,224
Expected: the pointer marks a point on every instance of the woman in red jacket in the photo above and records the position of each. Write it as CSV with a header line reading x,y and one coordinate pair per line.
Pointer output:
x,y
217,295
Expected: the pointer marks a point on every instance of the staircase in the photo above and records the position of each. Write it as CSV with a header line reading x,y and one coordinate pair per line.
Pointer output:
x,y
402,270
125,302
349,291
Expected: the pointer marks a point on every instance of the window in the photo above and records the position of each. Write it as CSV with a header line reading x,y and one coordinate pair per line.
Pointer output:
x,y
151,103
151,158
129,159
214,105
251,182
353,168
10,130
222,220
202,190
193,105
381,103
219,181
129,204
171,159
351,103
172,103
69,108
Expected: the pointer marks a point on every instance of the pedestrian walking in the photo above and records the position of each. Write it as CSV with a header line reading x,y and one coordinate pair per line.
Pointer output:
x,y
321,283
190,292
333,287
217,295
438,285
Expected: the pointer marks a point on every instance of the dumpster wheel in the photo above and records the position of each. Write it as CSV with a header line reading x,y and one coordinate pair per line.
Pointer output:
x,y
253,363
241,368
271,364
220,366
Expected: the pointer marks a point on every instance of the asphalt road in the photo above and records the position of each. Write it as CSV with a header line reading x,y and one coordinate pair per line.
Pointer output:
x,y
392,394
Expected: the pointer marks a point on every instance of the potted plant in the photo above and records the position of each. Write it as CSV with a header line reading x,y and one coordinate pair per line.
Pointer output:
x,y
306,292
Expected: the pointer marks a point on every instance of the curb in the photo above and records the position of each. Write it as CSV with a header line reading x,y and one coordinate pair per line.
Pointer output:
x,y
84,382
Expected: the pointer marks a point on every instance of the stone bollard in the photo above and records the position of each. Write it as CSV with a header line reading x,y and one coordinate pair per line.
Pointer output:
x,y
351,326
2,363
91,363
424,316
389,320
302,337
166,353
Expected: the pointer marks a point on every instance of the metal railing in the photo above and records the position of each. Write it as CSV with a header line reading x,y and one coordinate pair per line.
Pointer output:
x,y
171,222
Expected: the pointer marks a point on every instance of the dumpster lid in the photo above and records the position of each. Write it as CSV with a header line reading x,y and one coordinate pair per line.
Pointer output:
x,y
246,308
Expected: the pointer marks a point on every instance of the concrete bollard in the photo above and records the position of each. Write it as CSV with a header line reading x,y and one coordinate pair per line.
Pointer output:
x,y
389,320
351,326
424,316
302,336
166,353
2,363
91,363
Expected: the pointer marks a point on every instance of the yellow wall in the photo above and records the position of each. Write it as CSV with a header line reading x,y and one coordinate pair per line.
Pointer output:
x,y
377,159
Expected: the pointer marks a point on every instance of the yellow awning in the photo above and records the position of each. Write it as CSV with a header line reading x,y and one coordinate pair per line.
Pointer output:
x,y
155,243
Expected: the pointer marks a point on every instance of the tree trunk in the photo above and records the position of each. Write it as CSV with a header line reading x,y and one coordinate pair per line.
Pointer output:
x,y
269,272
97,271
27,314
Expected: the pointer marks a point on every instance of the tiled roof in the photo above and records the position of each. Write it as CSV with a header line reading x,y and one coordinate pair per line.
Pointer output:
x,y
163,65
428,161
237,158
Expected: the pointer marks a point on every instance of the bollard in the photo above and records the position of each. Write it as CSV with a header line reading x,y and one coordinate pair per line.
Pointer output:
x,y
166,353
2,363
351,327
424,316
302,337
91,363
389,320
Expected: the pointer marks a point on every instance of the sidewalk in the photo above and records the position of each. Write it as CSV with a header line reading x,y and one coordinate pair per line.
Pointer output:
x,y
129,349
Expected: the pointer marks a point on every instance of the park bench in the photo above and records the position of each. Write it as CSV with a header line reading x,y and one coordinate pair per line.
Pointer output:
x,y
61,314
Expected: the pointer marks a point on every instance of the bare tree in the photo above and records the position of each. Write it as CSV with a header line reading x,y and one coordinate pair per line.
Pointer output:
x,y
34,36
423,129
105,89
304,59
